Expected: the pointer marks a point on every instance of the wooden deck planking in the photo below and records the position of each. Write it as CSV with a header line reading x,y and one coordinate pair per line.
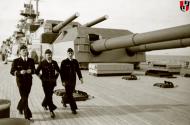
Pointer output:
x,y
116,101
153,94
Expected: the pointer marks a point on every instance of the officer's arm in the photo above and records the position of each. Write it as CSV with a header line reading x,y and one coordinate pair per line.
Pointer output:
x,y
33,67
78,70
62,72
38,69
14,70
57,69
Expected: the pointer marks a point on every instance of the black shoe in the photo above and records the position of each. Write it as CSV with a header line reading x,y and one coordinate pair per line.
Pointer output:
x,y
64,105
20,112
30,119
45,108
27,118
52,114
74,112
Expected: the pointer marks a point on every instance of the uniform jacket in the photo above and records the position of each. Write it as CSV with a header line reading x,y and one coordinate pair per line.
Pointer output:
x,y
50,71
68,71
18,65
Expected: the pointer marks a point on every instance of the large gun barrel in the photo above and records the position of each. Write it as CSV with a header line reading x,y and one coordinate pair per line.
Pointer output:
x,y
62,24
162,45
94,22
179,32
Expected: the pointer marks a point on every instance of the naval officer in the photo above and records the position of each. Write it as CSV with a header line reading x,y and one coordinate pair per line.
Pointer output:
x,y
23,68
68,70
49,75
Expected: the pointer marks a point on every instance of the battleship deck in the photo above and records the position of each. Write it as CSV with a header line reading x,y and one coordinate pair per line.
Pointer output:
x,y
116,101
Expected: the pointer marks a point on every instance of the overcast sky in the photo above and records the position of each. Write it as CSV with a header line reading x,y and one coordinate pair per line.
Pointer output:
x,y
137,16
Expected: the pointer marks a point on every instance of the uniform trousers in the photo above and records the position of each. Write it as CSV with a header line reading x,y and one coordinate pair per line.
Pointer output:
x,y
48,88
24,91
68,98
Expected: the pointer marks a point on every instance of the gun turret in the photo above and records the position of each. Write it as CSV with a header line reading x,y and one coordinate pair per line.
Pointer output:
x,y
126,41
103,45
94,22
63,24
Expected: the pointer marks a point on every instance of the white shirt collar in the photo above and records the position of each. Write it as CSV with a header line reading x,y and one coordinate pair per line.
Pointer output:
x,y
49,61
70,59
24,58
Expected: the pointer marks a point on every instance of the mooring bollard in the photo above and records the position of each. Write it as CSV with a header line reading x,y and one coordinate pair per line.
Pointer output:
x,y
5,108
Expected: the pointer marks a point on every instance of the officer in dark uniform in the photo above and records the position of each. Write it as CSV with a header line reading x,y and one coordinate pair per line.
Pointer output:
x,y
23,68
69,68
50,73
